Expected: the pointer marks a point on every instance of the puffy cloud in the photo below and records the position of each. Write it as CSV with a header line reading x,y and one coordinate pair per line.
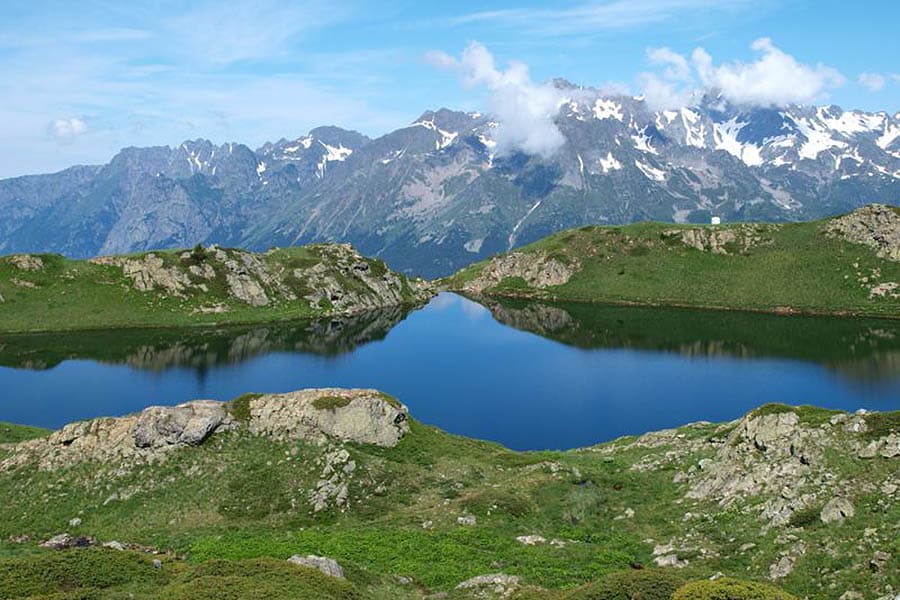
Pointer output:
x,y
874,81
67,128
525,110
677,67
774,79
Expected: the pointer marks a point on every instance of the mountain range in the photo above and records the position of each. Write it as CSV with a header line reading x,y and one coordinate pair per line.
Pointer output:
x,y
437,195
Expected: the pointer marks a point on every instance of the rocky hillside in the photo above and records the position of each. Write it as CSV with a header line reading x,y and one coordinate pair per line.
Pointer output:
x,y
435,196
843,265
203,285
340,494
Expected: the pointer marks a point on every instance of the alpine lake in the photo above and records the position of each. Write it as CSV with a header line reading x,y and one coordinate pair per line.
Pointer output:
x,y
524,374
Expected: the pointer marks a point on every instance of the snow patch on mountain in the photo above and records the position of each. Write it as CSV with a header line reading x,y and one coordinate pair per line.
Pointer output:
x,y
650,172
725,137
608,109
609,163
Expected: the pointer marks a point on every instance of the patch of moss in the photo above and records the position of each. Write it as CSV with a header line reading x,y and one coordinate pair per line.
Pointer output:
x,y
239,408
805,517
331,402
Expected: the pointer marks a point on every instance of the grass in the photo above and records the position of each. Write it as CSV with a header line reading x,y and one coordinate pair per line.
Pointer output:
x,y
10,433
237,506
795,269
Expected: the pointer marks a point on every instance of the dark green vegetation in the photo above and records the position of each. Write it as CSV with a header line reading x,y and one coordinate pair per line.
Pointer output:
x,y
198,347
793,267
860,348
230,511
180,288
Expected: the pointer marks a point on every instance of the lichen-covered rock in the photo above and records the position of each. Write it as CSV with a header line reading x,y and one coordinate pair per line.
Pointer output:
x,y
27,262
334,277
327,566
186,424
317,416
875,225
537,269
735,239
836,510
362,416
491,586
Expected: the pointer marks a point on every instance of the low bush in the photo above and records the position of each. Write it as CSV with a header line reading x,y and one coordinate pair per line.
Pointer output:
x,y
730,589
649,584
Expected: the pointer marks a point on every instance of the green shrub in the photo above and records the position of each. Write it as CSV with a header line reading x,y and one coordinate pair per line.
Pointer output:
x,y
79,570
730,589
643,584
239,408
256,579
805,517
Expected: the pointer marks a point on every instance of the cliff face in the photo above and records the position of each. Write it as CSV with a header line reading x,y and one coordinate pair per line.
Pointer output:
x,y
195,286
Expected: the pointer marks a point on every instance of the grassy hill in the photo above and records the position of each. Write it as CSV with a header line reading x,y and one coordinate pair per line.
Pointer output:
x,y
751,499
844,265
203,286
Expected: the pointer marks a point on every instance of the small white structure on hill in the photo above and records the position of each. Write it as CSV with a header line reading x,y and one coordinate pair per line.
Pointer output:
x,y
715,221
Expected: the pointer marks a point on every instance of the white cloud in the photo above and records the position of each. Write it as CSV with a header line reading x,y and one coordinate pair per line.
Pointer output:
x,y
774,79
66,129
874,81
677,67
525,110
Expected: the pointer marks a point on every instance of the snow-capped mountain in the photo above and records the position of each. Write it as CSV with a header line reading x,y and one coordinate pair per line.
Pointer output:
x,y
437,194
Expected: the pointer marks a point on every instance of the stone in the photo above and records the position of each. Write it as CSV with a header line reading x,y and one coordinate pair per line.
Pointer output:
x,y
186,424
361,416
157,564
875,225
531,540
74,522
64,541
783,567
497,584
851,595
27,262
467,520
327,566
538,270
315,416
879,560
115,545
836,510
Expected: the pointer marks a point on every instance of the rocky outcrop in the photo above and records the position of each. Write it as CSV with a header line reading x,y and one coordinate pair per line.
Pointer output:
x,y
362,416
27,262
537,269
330,277
315,416
875,225
735,239
495,585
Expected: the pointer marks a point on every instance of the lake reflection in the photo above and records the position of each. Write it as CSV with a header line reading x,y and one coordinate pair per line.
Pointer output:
x,y
527,375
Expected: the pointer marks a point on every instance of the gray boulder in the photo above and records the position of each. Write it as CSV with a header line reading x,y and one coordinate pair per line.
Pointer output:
x,y
326,565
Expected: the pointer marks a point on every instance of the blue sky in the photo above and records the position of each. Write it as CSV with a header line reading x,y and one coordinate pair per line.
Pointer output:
x,y
79,80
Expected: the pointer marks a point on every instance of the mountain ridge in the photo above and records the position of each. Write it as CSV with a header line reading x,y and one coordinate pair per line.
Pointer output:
x,y
437,195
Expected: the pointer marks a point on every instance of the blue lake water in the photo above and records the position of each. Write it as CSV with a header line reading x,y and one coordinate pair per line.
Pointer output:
x,y
529,376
